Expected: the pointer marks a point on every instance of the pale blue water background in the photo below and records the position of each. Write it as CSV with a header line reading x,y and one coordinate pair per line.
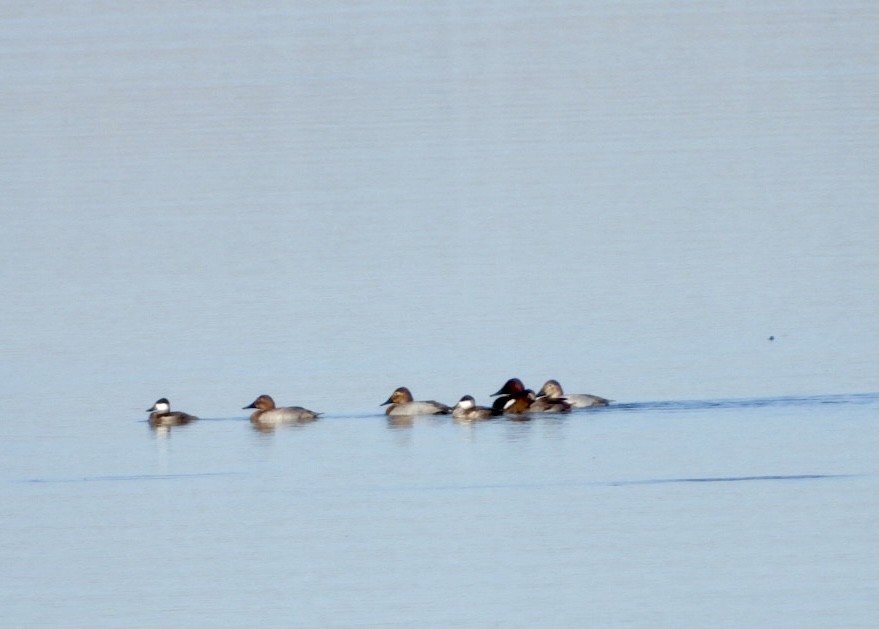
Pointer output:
x,y
325,201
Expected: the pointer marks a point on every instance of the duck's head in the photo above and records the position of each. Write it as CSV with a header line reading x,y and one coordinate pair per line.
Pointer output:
x,y
162,405
263,403
401,395
511,387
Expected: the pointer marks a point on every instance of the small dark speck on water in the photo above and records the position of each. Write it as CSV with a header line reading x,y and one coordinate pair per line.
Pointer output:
x,y
771,338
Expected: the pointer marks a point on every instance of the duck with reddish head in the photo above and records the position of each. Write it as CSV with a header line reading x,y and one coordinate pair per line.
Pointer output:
x,y
515,399
268,415
401,402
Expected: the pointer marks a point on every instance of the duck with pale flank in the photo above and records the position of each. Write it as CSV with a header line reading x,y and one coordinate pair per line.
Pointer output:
x,y
267,414
552,389
161,415
516,399
467,410
401,402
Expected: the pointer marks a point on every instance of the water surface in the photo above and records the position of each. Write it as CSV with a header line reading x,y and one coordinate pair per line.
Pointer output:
x,y
722,513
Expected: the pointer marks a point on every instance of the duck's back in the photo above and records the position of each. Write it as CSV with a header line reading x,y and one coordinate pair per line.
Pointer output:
x,y
549,405
474,413
428,407
171,418
585,400
515,405
283,415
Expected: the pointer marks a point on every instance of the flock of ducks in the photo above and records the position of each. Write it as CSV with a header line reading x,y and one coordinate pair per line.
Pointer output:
x,y
511,399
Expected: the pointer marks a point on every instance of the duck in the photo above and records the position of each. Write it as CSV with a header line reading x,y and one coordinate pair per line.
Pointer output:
x,y
545,404
267,414
500,404
516,404
402,403
552,389
516,399
162,415
512,398
466,409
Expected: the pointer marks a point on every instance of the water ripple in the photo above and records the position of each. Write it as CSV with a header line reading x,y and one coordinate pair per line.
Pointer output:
x,y
791,400
726,479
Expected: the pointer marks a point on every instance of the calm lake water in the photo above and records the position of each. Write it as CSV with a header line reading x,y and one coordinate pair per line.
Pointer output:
x,y
669,204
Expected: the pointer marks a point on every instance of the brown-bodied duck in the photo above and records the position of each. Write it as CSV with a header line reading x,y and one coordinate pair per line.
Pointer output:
x,y
162,415
467,410
516,399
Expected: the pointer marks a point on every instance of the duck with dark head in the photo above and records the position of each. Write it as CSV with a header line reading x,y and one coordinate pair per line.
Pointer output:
x,y
515,399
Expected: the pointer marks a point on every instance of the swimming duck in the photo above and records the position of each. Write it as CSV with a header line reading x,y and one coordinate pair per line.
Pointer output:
x,y
401,403
552,389
466,409
268,415
516,399
545,404
517,404
162,415
500,404
513,398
